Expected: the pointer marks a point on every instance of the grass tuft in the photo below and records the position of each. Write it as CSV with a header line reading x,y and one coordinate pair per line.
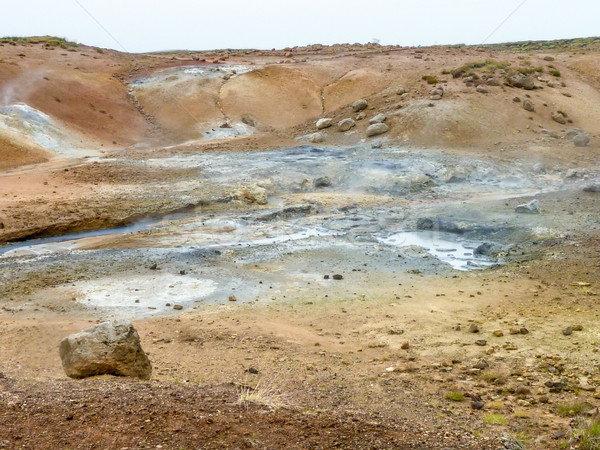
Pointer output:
x,y
455,396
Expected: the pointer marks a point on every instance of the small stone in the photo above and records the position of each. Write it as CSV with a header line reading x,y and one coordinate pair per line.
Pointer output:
x,y
337,276
473,328
322,182
481,364
577,327
581,140
377,129
346,124
524,330
498,333
477,405
405,345
447,363
559,117
153,267
2,376
182,272
324,123
359,105
533,207
481,89
481,342
252,370
528,105
400,91
523,403
567,331
379,118
326,277
513,331
232,298
178,307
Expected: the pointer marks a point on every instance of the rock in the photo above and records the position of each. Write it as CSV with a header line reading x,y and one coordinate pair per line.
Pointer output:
x,y
533,207
528,105
486,249
405,345
153,267
523,330
377,129
346,124
559,117
493,82
539,168
1,225
360,116
111,348
477,405
520,80
316,138
439,91
516,99
400,91
481,342
376,144
324,123
567,331
359,105
592,188
337,276
577,327
498,333
481,364
322,182
248,120
253,194
581,140
481,89
177,307
473,328
572,133
2,376
379,118
439,225
232,298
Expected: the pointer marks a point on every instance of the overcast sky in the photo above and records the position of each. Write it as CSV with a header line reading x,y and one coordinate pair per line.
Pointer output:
x,y
149,25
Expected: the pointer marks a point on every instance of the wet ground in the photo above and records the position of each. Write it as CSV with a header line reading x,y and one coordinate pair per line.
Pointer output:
x,y
283,223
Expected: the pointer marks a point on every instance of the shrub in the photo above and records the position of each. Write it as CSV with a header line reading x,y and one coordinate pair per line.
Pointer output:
x,y
494,419
430,79
555,73
455,396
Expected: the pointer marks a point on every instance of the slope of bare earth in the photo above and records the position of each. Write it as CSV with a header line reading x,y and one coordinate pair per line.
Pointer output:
x,y
370,361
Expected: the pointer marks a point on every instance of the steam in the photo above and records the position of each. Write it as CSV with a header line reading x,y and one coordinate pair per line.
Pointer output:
x,y
20,89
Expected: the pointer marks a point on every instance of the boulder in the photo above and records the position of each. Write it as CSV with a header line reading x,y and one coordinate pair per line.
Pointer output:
x,y
528,105
437,91
109,348
359,105
581,140
379,118
481,89
559,117
377,129
520,80
533,207
346,124
493,82
324,123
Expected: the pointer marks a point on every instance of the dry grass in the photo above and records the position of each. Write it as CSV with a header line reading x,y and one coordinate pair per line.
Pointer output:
x,y
265,393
